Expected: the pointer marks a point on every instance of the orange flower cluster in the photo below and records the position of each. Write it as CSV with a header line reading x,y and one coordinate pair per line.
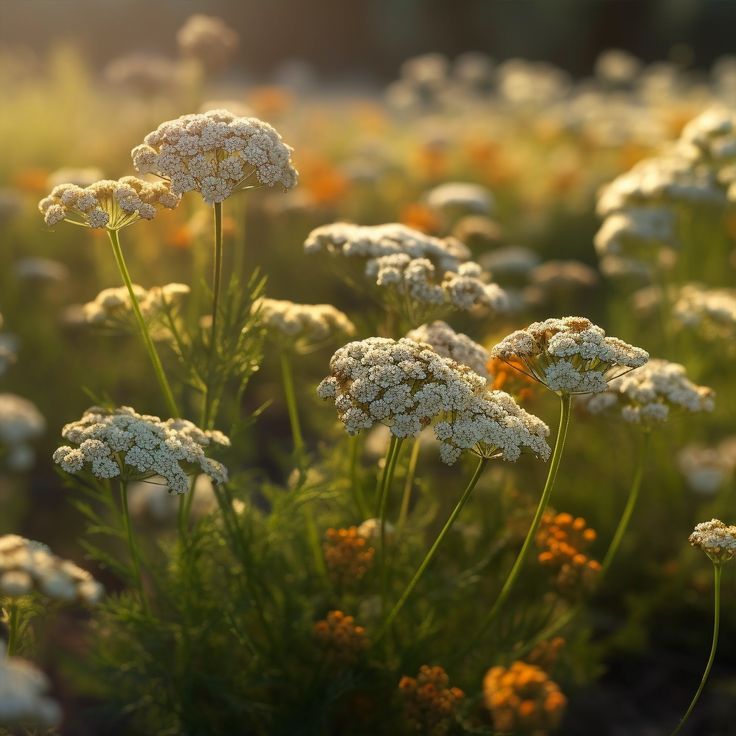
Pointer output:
x,y
348,556
563,540
342,639
523,700
546,653
511,376
420,217
429,704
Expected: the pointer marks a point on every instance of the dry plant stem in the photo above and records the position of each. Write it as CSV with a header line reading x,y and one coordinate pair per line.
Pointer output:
x,y
287,376
132,546
717,569
145,334
408,485
433,549
13,626
216,287
565,404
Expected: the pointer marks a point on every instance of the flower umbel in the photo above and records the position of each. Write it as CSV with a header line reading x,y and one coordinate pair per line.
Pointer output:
x,y
124,443
570,355
348,555
342,640
716,539
23,699
429,702
454,345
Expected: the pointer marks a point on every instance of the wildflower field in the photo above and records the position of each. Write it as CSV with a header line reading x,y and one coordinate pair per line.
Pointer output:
x,y
362,410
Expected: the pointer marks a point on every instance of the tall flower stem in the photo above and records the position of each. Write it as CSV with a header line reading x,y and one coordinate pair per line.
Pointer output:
x,y
287,376
392,455
355,481
145,334
433,549
716,621
565,405
132,546
216,288
13,626
408,484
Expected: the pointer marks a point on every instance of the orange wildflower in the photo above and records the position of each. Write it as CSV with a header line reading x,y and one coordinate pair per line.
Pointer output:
x,y
420,217
341,638
348,555
429,704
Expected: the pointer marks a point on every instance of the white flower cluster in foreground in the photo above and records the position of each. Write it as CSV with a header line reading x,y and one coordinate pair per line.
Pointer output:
x,y
215,153
648,394
407,385
711,311
454,345
570,355
20,423
375,241
27,566
311,323
716,539
111,442
491,426
417,286
113,306
107,203
23,699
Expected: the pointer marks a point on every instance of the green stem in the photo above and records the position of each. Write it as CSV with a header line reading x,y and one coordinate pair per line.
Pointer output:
x,y
392,455
433,549
216,287
13,621
716,620
565,404
132,546
287,376
145,334
355,483
408,485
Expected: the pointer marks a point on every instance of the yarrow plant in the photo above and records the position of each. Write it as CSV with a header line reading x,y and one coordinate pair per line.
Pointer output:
x,y
24,701
454,345
20,423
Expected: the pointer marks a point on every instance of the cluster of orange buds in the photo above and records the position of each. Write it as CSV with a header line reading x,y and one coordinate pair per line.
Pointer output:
x,y
564,540
429,704
546,653
348,555
511,376
341,638
523,700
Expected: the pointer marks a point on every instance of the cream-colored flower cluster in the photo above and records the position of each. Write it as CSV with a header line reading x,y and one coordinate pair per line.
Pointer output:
x,y
307,323
208,39
402,384
460,197
23,698
711,311
716,539
8,348
215,153
121,442
107,203
570,355
112,307
649,394
707,468
375,241
27,566
20,423
454,345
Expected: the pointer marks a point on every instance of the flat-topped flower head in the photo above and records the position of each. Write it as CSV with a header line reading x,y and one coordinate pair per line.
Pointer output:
x,y
28,567
716,539
208,39
110,204
216,153
375,241
400,383
341,639
461,197
23,698
20,423
454,345
290,323
712,312
570,355
429,703
490,426
136,446
650,394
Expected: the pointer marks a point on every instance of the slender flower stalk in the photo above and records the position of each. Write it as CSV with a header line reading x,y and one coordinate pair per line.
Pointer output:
x,y
145,334
132,546
392,455
216,287
433,549
13,629
409,484
717,570
565,405
287,376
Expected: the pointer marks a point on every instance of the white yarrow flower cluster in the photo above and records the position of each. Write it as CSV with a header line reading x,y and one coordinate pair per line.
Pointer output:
x,y
454,345
123,442
648,395
27,566
402,384
711,311
570,355
208,39
20,423
107,203
215,153
716,539
308,324
461,197
23,698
